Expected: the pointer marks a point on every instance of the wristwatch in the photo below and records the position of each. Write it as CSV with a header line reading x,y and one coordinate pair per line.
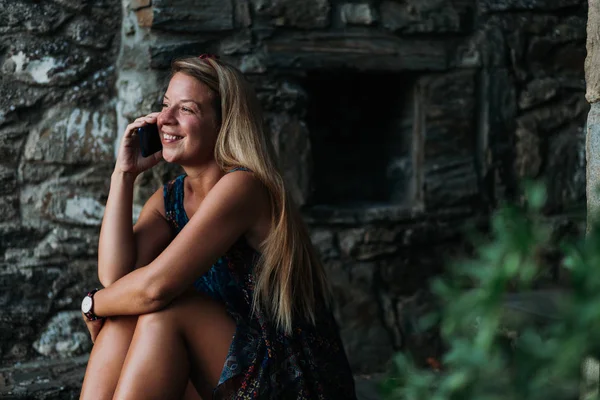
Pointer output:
x,y
87,306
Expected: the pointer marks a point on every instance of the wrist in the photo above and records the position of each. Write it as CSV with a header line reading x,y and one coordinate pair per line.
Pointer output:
x,y
87,306
122,176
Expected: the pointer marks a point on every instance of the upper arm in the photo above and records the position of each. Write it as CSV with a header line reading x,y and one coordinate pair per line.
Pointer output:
x,y
229,210
152,232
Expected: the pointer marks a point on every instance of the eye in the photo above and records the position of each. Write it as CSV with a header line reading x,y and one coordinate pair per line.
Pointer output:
x,y
164,105
186,109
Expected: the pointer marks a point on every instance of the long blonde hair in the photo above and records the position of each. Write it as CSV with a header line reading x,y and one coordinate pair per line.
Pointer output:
x,y
289,277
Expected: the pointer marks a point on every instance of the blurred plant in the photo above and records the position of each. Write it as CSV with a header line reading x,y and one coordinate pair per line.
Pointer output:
x,y
504,340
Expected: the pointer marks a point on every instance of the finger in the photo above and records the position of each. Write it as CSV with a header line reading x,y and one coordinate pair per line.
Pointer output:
x,y
151,118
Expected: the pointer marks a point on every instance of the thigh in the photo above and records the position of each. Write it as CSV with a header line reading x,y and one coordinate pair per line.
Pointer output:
x,y
207,330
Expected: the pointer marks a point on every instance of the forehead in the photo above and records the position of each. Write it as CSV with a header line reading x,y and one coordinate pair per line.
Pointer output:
x,y
183,86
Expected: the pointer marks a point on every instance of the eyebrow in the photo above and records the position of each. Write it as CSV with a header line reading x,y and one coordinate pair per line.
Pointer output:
x,y
185,101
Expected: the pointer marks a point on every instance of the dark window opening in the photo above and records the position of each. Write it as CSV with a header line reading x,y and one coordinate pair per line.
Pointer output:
x,y
361,129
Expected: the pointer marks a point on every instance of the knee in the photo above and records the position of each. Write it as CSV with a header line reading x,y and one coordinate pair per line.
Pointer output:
x,y
124,323
163,316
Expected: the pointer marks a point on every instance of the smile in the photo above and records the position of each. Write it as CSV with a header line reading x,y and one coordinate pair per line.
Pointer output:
x,y
171,138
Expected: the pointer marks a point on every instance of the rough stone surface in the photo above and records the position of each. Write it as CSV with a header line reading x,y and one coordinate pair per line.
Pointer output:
x,y
192,15
64,336
449,151
309,14
19,16
358,14
592,152
396,122
73,135
85,32
416,16
592,75
365,51
48,62
518,5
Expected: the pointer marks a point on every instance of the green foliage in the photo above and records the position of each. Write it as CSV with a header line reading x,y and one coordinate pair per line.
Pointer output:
x,y
528,346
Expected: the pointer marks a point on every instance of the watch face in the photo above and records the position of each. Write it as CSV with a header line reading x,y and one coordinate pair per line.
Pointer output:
x,y
86,304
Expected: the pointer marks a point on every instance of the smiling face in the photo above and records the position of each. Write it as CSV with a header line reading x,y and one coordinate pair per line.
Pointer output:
x,y
188,122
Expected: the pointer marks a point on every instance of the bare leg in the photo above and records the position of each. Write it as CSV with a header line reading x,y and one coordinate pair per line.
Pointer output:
x,y
189,338
107,358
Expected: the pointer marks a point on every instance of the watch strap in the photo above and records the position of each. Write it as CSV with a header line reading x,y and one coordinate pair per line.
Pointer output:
x,y
90,314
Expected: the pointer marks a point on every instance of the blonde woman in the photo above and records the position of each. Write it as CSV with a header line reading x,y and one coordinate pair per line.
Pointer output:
x,y
216,291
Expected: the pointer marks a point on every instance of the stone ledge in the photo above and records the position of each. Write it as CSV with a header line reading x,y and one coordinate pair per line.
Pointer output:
x,y
46,379
43,379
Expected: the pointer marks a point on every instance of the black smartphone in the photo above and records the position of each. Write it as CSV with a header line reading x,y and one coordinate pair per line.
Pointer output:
x,y
149,139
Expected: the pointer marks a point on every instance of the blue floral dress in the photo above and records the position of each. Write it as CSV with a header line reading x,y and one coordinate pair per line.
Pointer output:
x,y
263,362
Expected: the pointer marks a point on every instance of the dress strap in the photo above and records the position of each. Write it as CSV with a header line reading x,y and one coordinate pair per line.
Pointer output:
x,y
239,169
173,200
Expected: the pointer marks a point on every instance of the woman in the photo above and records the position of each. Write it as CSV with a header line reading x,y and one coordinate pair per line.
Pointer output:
x,y
216,290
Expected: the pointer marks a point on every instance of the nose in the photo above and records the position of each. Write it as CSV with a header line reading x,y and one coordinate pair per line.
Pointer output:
x,y
165,117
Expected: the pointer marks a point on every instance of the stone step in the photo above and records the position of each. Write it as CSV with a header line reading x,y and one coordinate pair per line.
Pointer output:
x,y
46,379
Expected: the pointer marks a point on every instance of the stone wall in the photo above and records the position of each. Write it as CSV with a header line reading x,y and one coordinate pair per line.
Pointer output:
x,y
396,123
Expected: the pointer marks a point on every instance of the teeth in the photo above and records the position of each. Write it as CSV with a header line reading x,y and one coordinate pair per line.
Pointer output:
x,y
171,137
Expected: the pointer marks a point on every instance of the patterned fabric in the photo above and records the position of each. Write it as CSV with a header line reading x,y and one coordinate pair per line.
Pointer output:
x,y
264,363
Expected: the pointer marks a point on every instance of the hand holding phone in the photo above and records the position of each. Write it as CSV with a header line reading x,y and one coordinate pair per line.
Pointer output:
x,y
149,139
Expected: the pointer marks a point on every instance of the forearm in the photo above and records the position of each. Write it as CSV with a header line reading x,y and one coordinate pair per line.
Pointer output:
x,y
132,294
116,247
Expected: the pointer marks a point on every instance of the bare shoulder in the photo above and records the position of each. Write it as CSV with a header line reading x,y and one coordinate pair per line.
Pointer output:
x,y
241,186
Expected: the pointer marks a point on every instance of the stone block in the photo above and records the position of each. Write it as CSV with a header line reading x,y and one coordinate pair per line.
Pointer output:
x,y
547,120
499,111
86,32
71,243
538,92
242,15
308,14
528,154
449,139
72,136
19,16
76,5
252,64
369,51
68,206
565,170
546,56
592,72
48,62
9,207
238,43
592,153
64,336
372,243
11,140
324,241
8,179
193,15
520,5
137,4
145,17
366,340
544,45
358,14
162,53
17,97
426,16
44,379
486,47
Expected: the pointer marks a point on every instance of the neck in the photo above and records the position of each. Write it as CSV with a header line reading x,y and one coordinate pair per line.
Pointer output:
x,y
200,179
